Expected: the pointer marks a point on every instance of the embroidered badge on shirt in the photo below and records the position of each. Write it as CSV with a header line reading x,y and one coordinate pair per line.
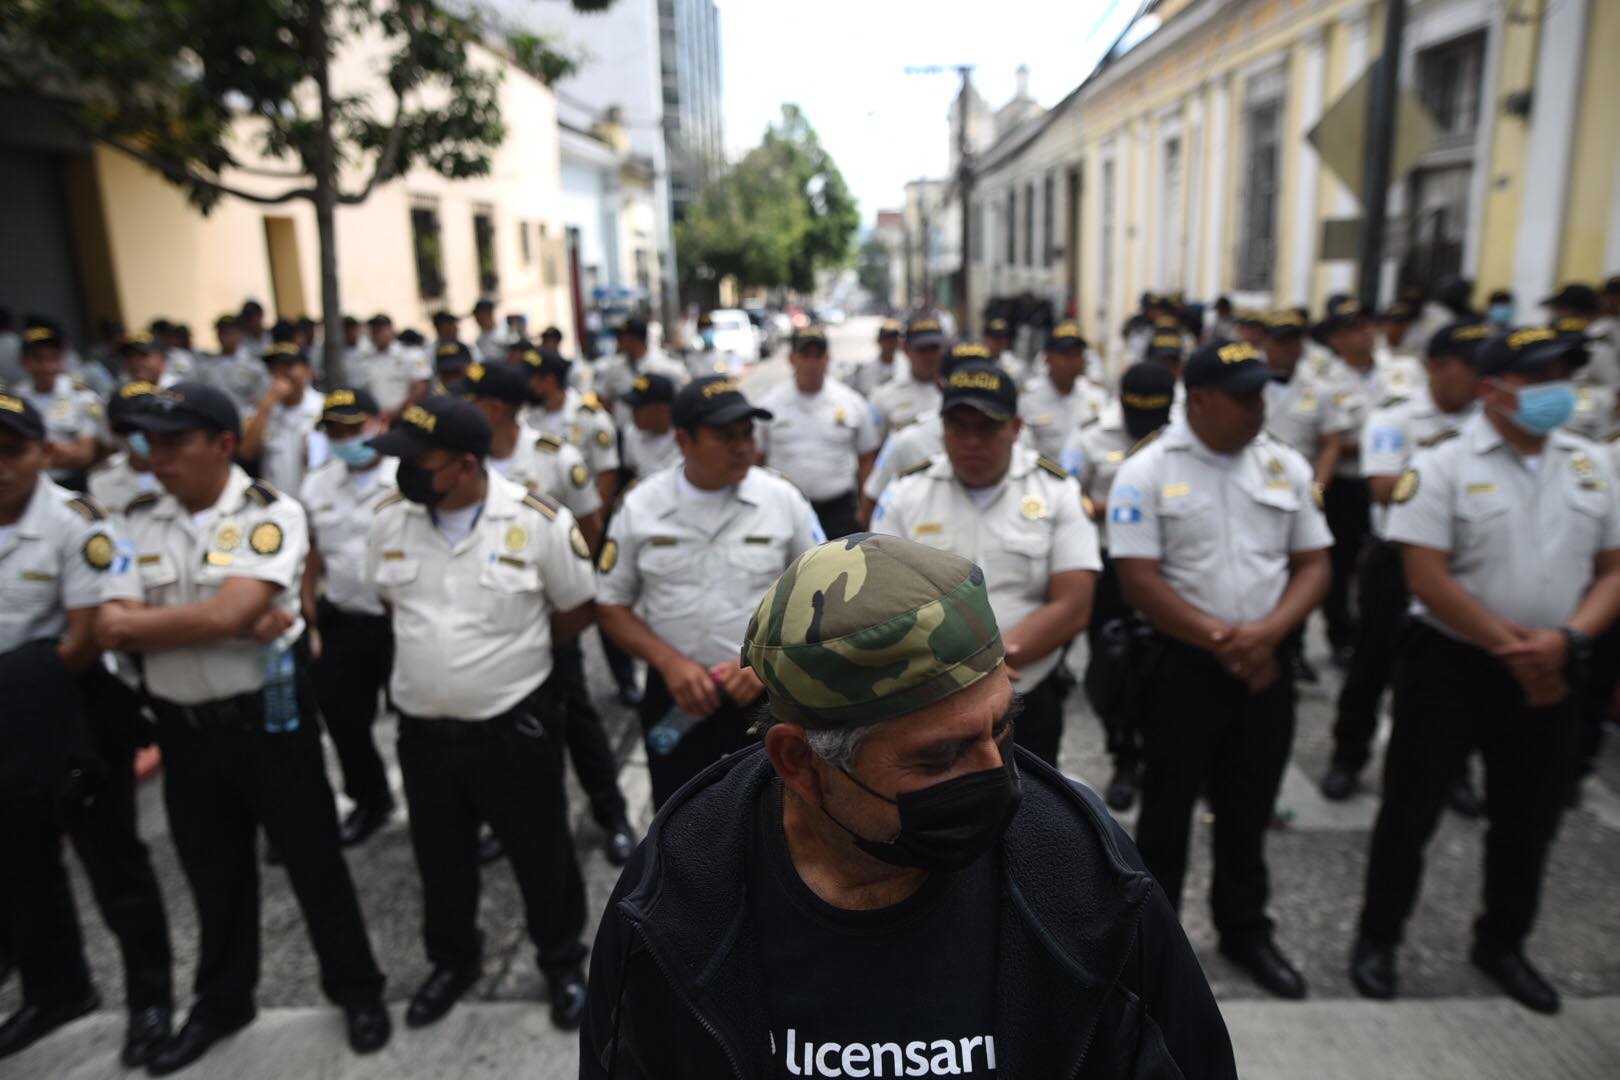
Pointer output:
x,y
576,539
517,538
98,551
266,538
229,535
1032,507
609,558
1406,486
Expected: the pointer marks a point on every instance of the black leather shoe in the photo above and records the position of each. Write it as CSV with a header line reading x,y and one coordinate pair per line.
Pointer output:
x,y
369,1027
1268,967
630,694
489,848
191,1042
1464,800
1303,671
1121,791
147,1029
363,821
32,1023
1521,982
1339,784
568,1000
437,995
620,843
1372,970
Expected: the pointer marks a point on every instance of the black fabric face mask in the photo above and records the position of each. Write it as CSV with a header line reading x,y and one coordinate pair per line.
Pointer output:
x,y
946,827
416,484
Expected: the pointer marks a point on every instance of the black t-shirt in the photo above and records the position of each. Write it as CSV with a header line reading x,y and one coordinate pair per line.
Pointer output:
x,y
907,990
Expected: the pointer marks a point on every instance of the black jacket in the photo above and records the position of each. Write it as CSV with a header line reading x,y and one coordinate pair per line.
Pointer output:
x,y
1095,977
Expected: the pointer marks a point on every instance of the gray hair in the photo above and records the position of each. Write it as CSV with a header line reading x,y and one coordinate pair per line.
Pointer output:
x,y
838,746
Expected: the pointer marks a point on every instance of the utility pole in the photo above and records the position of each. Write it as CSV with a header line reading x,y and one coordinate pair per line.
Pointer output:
x,y
964,191
1380,153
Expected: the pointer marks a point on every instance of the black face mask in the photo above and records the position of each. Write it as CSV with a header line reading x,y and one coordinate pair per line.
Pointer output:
x,y
946,827
416,483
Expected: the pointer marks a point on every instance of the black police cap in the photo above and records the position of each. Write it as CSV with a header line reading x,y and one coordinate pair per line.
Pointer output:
x,y
348,405
1461,339
714,401
1233,366
981,386
19,415
185,406
439,422
502,382
650,389
452,354
547,362
1576,297
1528,350
126,400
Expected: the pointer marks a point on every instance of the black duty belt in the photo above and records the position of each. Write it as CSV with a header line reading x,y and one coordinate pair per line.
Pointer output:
x,y
244,712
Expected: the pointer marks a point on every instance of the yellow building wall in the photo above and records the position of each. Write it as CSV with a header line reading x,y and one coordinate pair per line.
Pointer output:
x,y
1595,152
1504,190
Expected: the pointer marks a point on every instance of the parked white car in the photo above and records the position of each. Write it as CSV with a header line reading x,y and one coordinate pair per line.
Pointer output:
x,y
734,333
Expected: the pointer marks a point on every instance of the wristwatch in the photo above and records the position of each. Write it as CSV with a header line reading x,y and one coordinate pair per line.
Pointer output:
x,y
1580,646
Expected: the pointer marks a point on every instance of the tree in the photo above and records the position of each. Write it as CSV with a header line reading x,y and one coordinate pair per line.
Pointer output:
x,y
774,218
220,97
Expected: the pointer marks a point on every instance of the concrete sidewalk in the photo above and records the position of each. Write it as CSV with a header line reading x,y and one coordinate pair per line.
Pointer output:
x,y
1451,1039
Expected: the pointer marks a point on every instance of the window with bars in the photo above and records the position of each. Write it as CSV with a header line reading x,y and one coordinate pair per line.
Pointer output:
x,y
489,278
1449,80
1029,223
1257,251
428,248
1012,227
1048,219
1105,236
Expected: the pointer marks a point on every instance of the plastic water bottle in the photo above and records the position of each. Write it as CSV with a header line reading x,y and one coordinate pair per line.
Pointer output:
x,y
671,728
280,691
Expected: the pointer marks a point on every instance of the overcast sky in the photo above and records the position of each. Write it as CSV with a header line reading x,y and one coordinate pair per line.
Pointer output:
x,y
844,61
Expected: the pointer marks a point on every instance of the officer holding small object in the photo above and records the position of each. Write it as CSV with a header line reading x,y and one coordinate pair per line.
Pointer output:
x,y
686,558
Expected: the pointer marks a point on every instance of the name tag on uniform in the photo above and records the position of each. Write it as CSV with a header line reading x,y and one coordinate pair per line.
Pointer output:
x,y
1114,455
507,560
1480,489
1280,485
148,560
927,528
756,539
662,541
1175,491
219,558
390,556
37,575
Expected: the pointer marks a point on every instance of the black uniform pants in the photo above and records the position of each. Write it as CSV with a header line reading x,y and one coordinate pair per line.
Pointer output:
x,y
220,784
1203,731
722,732
40,924
837,515
1451,697
1598,699
1039,728
506,771
1108,665
588,748
1347,505
357,656
1383,600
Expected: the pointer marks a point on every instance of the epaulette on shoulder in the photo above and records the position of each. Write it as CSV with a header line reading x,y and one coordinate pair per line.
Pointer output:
x,y
1391,401
144,501
390,500
262,493
88,508
912,470
1144,441
549,443
590,402
1046,464
78,383
1093,422
1438,437
618,500
543,503
1615,437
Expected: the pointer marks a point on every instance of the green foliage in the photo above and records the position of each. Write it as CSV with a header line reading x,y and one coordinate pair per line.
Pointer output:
x,y
775,217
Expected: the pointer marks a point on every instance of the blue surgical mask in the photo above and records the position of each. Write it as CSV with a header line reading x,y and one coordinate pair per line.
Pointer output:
x,y
1544,407
1502,314
708,337
355,453
138,445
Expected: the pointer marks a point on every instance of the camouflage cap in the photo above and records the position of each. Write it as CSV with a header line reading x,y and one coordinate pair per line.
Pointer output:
x,y
868,628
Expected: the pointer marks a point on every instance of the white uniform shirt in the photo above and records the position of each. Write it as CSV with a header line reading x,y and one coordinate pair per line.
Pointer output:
x,y
341,503
1051,417
175,559
115,484
614,376
713,362
695,571
902,401
472,623
865,377
490,346
52,560
292,445
1301,411
1394,433
390,374
583,422
1393,377
1093,456
1597,409
547,464
1222,526
70,411
1521,541
815,440
903,450
243,377
1030,527
646,453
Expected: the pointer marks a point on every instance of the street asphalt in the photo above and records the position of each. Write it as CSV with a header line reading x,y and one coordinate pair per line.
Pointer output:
x,y
1449,1022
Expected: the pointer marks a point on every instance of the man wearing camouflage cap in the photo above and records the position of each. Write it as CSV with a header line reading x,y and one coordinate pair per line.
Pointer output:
x,y
840,902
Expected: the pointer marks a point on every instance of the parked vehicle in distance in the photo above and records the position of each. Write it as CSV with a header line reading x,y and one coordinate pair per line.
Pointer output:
x,y
734,332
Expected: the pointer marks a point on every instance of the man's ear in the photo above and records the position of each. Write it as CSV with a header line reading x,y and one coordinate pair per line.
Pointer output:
x,y
793,760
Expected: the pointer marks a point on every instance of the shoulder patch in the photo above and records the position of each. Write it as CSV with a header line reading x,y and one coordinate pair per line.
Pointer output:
x,y
78,383
88,508
1048,465
144,501
1439,437
1143,441
390,500
262,493
1095,420
911,470
543,503
1406,486
549,443
590,402
1391,401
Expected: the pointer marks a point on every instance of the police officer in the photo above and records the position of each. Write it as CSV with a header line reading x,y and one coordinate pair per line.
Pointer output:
x,y
1220,545
351,639
396,374
649,438
451,359
282,434
707,359
1300,408
869,374
1093,455
687,556
143,360
1054,404
72,413
821,434
1017,515
481,577
54,551
615,375
490,344
553,468
998,338
126,473
446,331
236,370
563,411
1575,310
209,597
913,393
1511,535
1394,432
